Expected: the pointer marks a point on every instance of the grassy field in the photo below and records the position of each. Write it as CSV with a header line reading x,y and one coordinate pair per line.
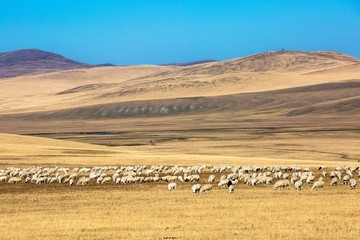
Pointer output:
x,y
149,211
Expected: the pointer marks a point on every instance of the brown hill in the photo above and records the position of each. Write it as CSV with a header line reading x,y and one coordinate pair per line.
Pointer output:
x,y
265,72
34,61
329,98
274,61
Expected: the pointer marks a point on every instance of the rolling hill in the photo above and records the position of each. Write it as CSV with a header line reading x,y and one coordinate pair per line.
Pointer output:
x,y
34,61
263,72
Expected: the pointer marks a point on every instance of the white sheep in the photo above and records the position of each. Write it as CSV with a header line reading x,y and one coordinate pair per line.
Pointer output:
x,y
293,179
106,180
310,179
316,185
346,179
181,179
282,184
171,186
196,188
268,180
83,180
334,181
71,181
231,189
41,180
211,178
285,175
117,181
15,180
206,188
194,178
223,182
3,178
353,183
298,185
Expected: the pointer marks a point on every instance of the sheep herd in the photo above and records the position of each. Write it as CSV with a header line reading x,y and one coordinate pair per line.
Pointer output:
x,y
202,178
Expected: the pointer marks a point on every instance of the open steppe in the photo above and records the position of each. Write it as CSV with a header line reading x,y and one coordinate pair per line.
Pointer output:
x,y
148,211
276,108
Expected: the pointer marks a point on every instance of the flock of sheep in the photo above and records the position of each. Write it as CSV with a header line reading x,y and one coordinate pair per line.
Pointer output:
x,y
210,176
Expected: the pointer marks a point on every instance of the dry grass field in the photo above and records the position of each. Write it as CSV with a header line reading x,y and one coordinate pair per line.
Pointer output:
x,y
149,211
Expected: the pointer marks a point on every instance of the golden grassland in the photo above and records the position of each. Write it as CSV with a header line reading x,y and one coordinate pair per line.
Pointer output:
x,y
149,211
324,150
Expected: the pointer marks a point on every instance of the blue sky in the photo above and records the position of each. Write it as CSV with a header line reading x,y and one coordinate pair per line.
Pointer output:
x,y
166,31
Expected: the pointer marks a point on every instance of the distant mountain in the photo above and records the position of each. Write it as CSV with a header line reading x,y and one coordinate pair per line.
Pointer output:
x,y
275,61
34,61
190,63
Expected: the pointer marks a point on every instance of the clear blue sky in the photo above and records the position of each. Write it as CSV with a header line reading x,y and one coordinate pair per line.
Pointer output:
x,y
156,31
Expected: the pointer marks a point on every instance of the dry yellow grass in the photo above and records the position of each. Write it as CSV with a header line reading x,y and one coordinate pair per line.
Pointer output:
x,y
149,211
26,150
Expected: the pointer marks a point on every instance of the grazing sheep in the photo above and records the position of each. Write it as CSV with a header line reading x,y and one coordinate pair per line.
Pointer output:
x,y
41,180
3,178
115,176
211,178
353,183
298,185
98,181
171,186
310,179
231,188
222,177
282,184
74,175
117,181
285,175
278,174
196,188
71,181
318,184
14,180
206,188
181,179
346,179
269,180
83,181
293,179
334,181
338,174
194,178
252,182
106,180
223,182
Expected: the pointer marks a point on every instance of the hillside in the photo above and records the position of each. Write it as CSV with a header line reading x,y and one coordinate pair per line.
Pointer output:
x,y
106,85
34,61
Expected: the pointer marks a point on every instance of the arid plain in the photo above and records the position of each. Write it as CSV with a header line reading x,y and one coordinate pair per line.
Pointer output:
x,y
278,108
